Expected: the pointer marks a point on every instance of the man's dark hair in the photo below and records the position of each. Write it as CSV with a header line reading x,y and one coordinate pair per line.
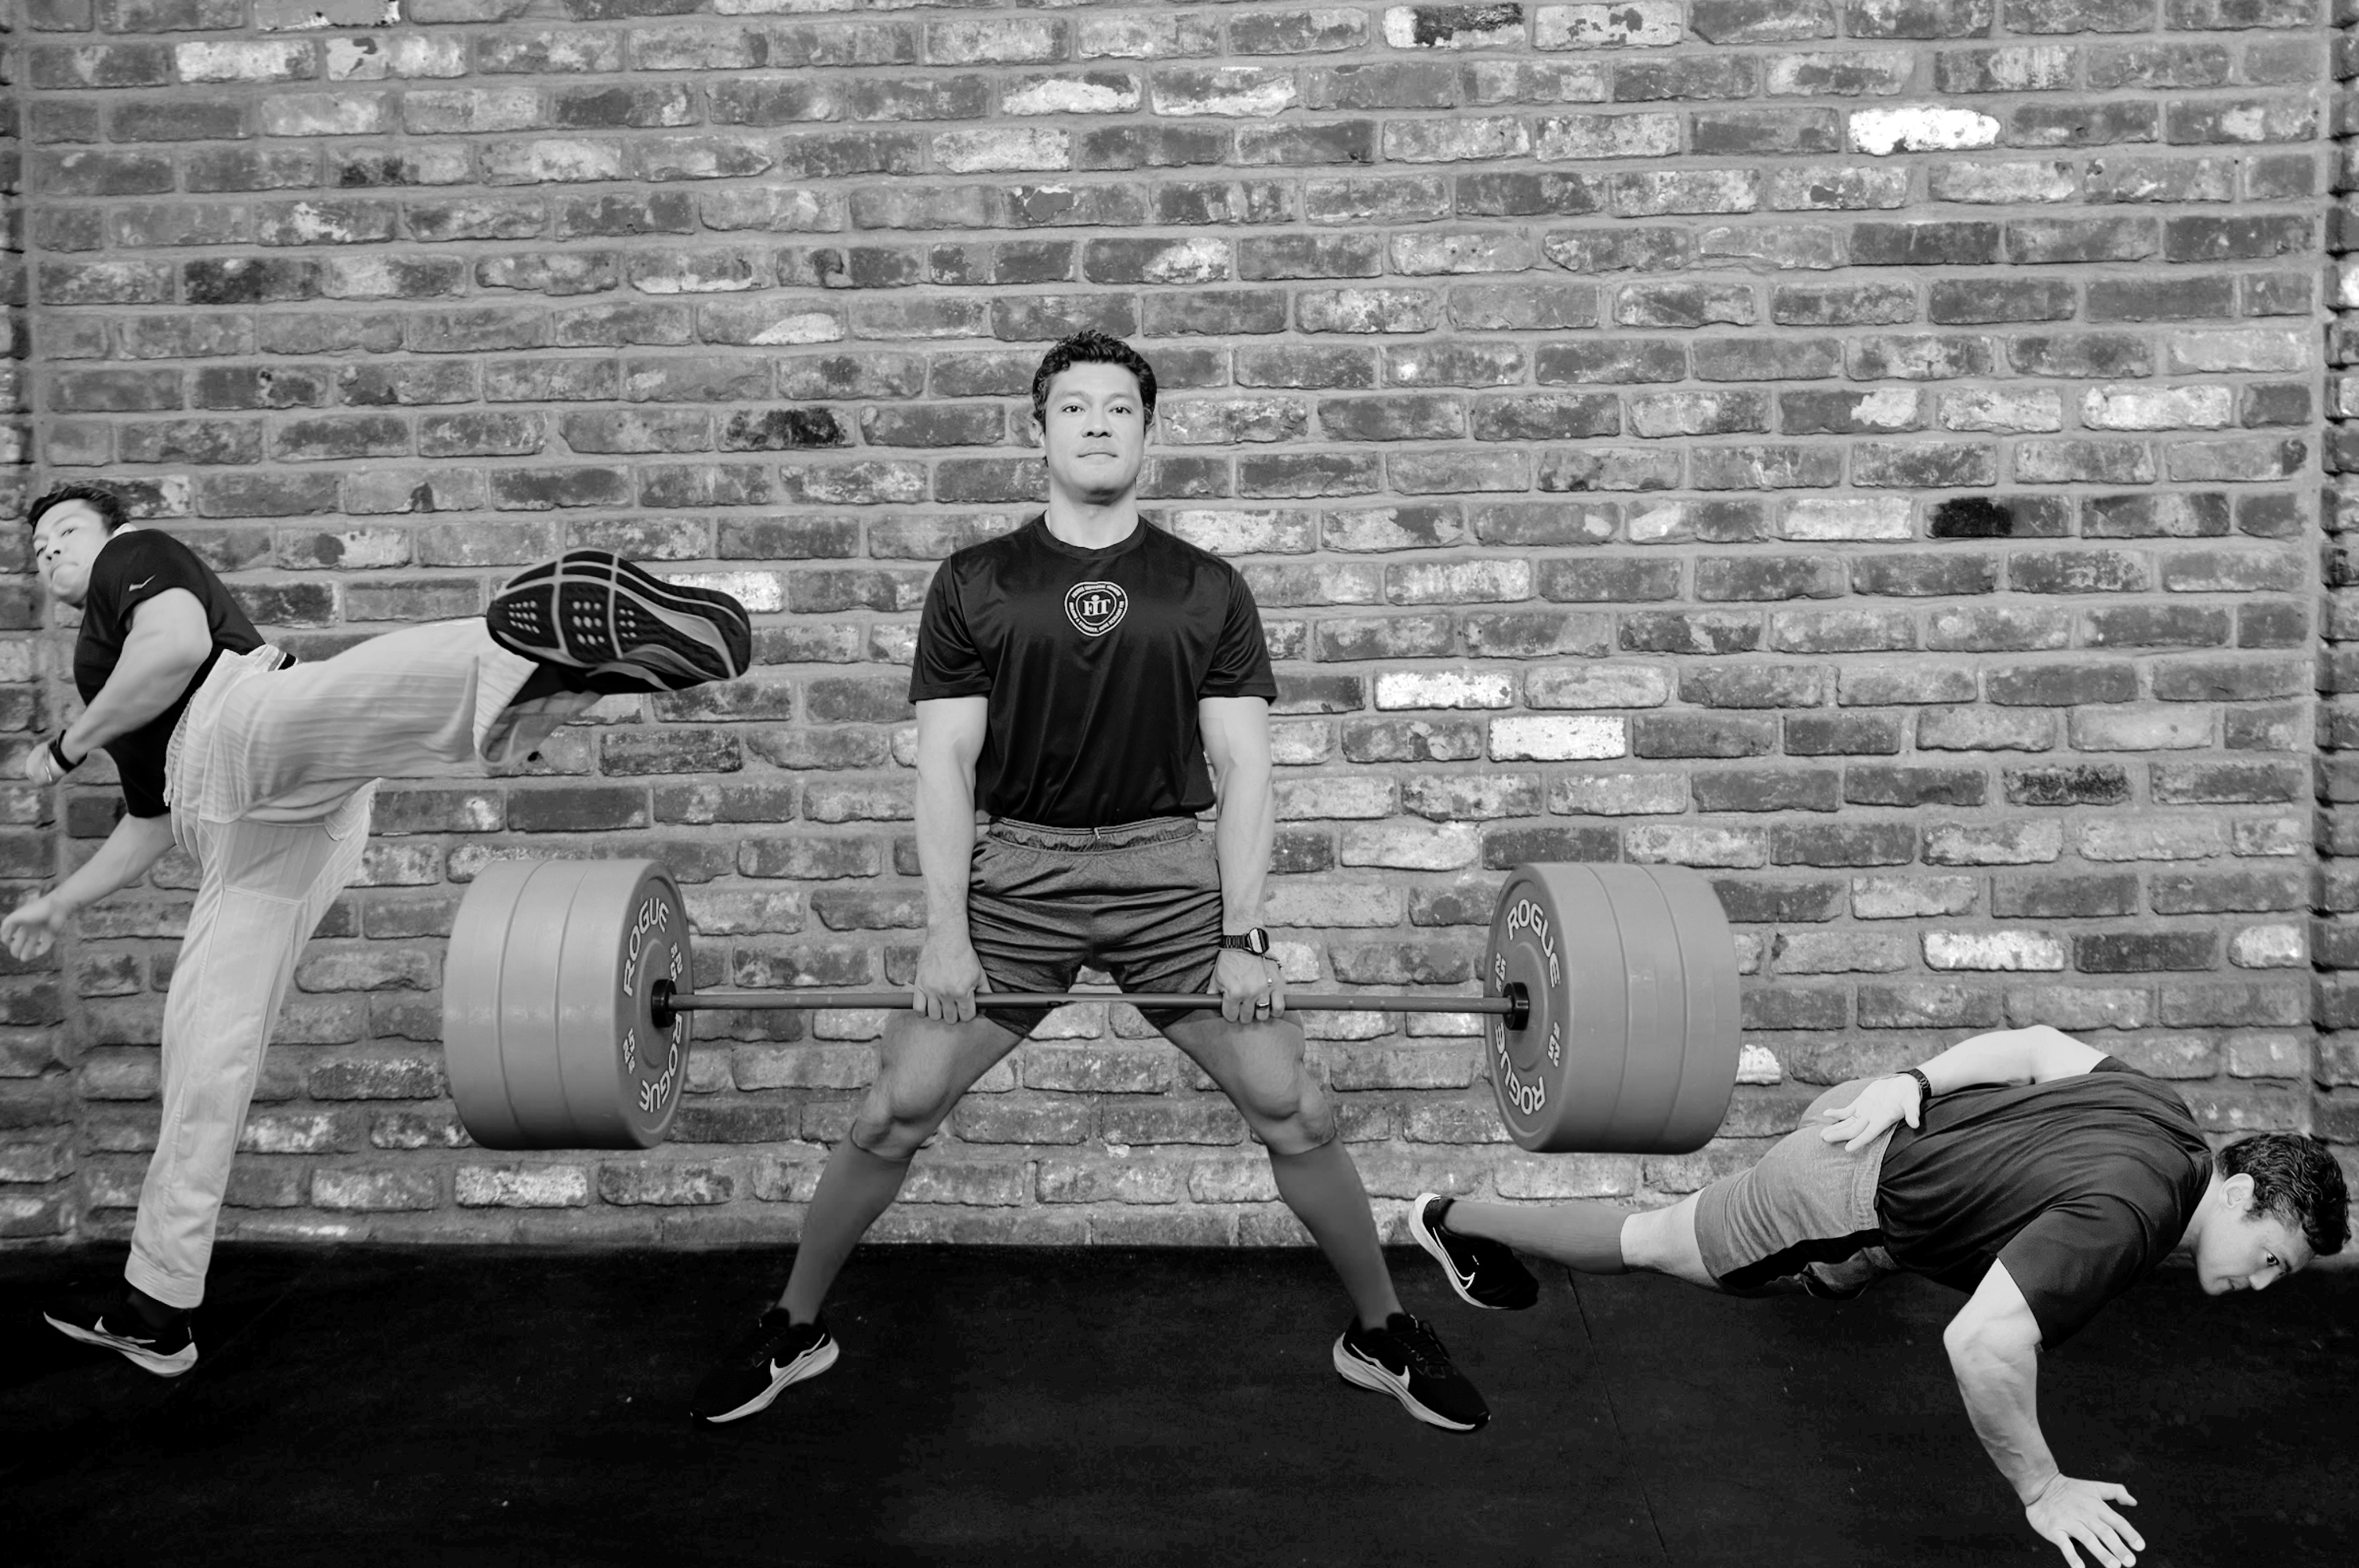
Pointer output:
x,y
2296,1179
105,503
1091,347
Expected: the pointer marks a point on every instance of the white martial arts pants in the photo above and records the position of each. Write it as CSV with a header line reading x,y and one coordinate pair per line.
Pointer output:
x,y
271,777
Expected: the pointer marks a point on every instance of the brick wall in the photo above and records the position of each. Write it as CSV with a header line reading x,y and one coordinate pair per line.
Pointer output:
x,y
1581,387
2334,939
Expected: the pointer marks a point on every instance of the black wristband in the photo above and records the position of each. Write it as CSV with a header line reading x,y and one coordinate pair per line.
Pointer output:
x,y
58,754
1924,1086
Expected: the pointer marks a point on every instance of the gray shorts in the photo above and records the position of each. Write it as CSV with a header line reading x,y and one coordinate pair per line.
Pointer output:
x,y
1141,900
1806,1210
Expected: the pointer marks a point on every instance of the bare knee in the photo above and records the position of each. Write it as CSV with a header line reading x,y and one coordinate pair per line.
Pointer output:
x,y
1292,1120
899,1114
1663,1241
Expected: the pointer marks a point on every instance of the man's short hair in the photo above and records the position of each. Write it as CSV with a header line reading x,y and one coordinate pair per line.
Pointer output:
x,y
1091,347
105,503
2295,1178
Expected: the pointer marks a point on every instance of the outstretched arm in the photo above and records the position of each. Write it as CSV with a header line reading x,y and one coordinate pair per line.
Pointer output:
x,y
1994,1346
136,843
2038,1054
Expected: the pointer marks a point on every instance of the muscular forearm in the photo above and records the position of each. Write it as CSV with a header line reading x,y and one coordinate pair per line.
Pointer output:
x,y
136,843
2035,1056
149,679
2000,1385
945,840
1242,841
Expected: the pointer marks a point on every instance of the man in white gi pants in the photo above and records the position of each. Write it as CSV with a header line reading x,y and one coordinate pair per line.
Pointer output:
x,y
264,770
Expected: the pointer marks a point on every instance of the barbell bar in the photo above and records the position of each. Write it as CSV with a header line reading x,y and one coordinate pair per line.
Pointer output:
x,y
1515,1006
1609,995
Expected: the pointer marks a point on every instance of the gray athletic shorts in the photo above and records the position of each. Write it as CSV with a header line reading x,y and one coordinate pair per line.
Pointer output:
x,y
1806,1210
1141,900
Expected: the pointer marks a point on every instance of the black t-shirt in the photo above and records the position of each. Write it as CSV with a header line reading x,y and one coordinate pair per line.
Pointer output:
x,y
133,567
1093,661
2079,1185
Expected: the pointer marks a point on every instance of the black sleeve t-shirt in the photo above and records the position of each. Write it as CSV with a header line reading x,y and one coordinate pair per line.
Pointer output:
x,y
2079,1185
1093,661
133,566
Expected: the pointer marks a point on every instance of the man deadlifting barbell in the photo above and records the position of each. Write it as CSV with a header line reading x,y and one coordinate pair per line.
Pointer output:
x,y
265,770
2040,1175
1071,679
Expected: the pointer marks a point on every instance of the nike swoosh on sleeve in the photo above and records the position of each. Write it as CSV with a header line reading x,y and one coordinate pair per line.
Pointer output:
x,y
143,582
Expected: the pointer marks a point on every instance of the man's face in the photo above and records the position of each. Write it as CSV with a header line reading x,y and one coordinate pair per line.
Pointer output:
x,y
1094,432
65,542
2242,1250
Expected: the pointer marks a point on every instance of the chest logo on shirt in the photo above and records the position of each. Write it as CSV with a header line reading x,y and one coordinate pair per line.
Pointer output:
x,y
1096,608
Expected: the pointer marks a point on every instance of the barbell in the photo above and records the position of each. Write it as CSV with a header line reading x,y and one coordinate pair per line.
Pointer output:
x,y
1609,1006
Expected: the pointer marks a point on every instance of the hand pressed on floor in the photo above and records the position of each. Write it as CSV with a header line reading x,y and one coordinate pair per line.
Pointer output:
x,y
2068,1510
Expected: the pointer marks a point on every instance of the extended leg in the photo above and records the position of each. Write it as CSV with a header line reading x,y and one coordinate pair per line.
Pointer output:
x,y
1593,1236
1259,1066
925,1067
265,888
414,702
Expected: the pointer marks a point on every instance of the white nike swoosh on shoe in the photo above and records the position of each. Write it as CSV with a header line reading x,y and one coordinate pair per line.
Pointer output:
x,y
141,1353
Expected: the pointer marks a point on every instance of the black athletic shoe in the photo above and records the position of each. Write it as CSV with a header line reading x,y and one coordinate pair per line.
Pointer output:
x,y
592,610
1404,1359
772,1354
168,1352
1485,1273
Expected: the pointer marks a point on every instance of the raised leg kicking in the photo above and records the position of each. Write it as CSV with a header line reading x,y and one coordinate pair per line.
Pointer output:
x,y
2035,1174
265,770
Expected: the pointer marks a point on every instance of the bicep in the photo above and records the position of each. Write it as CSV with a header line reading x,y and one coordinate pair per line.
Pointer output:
x,y
1996,1317
1236,730
950,730
2056,1054
172,624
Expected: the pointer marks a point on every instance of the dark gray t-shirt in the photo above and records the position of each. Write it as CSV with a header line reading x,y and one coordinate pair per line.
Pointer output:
x,y
2079,1185
1093,661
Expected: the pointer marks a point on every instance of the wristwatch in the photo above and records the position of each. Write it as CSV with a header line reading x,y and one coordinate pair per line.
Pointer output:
x,y
1254,940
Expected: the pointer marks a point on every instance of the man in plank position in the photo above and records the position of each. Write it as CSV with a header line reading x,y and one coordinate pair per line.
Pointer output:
x,y
265,770
1071,679
2041,1176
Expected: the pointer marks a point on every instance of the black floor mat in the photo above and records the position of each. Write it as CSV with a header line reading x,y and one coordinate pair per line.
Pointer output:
x,y
1135,1408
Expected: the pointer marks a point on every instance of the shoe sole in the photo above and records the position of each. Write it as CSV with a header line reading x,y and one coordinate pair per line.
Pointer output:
x,y
595,612
809,1364
170,1366
1367,1374
1432,1244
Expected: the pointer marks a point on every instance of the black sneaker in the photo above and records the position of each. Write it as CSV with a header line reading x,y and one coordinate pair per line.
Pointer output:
x,y
772,1354
592,610
1404,1359
1485,1273
168,1352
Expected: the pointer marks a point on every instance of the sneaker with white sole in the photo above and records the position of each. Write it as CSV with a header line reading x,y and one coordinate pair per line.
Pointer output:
x,y
773,1354
168,1352
593,611
1485,1273
1405,1359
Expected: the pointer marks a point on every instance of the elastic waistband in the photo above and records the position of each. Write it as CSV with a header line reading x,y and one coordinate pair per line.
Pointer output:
x,y
1084,840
